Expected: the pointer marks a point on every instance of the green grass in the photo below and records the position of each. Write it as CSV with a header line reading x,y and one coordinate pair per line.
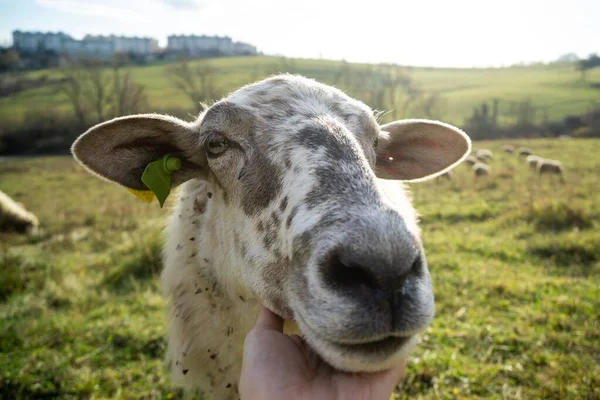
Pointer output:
x,y
556,88
515,263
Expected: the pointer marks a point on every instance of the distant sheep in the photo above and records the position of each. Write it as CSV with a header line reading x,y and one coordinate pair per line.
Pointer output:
x,y
481,169
550,167
447,175
471,160
484,154
507,148
524,151
532,161
14,217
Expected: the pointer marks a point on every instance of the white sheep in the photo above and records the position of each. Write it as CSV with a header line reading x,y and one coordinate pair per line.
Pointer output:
x,y
471,160
278,199
550,167
532,160
14,217
524,151
481,169
507,148
447,175
484,155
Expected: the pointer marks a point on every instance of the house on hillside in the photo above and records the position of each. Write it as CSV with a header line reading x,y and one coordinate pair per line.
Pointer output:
x,y
198,46
89,47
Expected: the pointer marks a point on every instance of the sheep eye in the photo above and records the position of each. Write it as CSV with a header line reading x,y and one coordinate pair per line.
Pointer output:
x,y
217,144
376,142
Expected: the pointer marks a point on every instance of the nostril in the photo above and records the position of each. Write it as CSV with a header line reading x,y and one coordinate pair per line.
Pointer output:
x,y
417,266
339,275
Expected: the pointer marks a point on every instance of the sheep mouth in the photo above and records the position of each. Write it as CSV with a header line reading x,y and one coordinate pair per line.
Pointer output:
x,y
383,346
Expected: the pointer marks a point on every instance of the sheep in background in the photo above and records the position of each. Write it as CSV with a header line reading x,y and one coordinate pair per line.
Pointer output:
x,y
471,160
532,161
550,167
482,159
447,175
507,148
14,217
481,169
483,155
524,151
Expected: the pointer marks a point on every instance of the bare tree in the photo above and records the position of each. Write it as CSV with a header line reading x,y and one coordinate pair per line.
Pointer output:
x,y
96,92
127,96
196,82
98,89
74,90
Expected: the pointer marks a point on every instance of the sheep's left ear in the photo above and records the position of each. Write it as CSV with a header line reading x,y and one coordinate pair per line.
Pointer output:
x,y
417,149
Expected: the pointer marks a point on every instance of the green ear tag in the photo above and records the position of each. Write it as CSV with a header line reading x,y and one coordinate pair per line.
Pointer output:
x,y
157,176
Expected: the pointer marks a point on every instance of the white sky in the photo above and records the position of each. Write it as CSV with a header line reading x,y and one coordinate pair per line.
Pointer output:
x,y
456,33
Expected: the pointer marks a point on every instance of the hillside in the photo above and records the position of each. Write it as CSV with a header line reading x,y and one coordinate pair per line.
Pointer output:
x,y
556,90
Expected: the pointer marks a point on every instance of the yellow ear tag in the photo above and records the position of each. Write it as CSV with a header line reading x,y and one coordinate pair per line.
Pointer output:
x,y
145,195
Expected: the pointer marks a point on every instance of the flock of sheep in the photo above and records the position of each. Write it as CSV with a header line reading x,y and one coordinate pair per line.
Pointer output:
x,y
480,158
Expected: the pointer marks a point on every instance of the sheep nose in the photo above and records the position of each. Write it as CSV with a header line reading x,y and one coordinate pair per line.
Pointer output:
x,y
370,276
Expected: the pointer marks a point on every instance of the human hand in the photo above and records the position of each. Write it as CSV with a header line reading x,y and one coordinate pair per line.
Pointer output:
x,y
278,366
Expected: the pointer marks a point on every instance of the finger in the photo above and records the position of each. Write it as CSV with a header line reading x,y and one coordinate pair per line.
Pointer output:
x,y
269,321
395,375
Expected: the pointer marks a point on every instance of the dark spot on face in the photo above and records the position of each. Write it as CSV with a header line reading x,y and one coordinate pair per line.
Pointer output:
x,y
209,194
198,291
213,356
185,371
273,274
331,137
193,255
261,226
268,240
284,204
272,226
228,385
199,205
206,260
261,184
241,298
177,362
288,221
192,239
243,250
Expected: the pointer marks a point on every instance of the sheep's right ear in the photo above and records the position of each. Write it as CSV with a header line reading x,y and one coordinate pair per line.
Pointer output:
x,y
120,149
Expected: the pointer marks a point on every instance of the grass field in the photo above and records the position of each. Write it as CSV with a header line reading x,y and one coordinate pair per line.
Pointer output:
x,y
515,263
557,89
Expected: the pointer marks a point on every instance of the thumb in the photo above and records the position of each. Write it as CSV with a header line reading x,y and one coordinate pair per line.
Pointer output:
x,y
267,320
